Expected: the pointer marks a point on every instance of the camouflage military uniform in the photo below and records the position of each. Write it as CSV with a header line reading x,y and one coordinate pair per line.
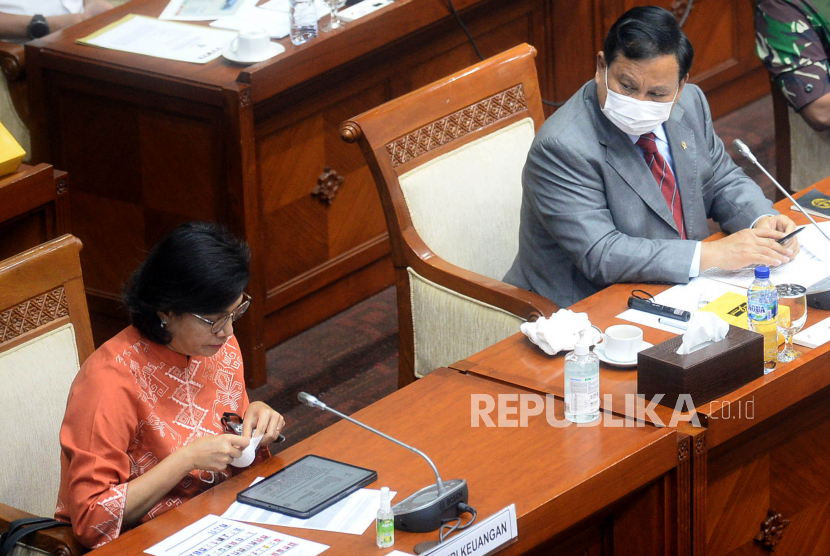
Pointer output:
x,y
792,38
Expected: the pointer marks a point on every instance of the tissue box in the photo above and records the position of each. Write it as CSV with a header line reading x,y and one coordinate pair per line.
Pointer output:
x,y
11,153
706,373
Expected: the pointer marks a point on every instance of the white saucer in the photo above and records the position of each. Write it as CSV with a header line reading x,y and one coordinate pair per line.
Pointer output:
x,y
600,351
274,48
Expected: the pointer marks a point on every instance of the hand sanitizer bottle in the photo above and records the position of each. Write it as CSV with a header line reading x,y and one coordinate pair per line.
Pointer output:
x,y
385,521
581,383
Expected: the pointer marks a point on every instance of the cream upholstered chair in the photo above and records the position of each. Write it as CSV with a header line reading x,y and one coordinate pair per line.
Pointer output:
x,y
447,160
802,154
44,336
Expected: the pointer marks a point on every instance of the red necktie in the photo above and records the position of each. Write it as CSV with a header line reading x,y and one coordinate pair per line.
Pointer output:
x,y
665,179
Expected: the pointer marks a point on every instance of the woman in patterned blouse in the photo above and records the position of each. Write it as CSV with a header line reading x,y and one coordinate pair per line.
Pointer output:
x,y
142,431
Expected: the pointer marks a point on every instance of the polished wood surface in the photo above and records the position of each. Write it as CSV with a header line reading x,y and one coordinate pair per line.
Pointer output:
x,y
42,289
34,208
151,143
459,109
762,447
577,487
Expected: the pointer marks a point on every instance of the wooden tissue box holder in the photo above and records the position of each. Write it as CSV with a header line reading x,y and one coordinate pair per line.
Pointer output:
x,y
706,373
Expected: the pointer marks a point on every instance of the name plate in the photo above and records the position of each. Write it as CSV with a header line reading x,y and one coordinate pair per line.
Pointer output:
x,y
494,532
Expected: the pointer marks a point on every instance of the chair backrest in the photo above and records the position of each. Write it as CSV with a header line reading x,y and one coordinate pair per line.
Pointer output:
x,y
447,160
450,156
44,337
801,153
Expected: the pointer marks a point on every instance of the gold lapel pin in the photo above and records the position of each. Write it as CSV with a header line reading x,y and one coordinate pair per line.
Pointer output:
x,y
683,144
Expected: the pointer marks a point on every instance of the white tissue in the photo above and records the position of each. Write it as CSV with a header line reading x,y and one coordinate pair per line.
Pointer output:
x,y
248,454
559,332
705,329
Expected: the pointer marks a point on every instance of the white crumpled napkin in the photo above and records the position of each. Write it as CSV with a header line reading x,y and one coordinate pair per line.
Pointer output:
x,y
705,329
559,332
248,454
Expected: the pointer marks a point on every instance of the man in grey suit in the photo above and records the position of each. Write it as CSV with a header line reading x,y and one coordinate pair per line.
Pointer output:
x,y
619,182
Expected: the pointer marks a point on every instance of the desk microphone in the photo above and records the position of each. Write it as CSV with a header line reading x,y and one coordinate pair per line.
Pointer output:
x,y
424,510
744,150
818,295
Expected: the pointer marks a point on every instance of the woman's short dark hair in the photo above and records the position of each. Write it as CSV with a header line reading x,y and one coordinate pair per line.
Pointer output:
x,y
198,268
646,32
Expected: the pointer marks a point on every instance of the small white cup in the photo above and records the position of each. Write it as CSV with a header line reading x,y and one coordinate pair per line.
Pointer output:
x,y
251,44
622,342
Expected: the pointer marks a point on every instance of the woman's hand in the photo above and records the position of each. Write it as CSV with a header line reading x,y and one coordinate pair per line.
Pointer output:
x,y
260,419
214,453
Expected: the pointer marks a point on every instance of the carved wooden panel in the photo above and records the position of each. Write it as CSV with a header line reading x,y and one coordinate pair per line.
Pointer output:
x,y
457,125
32,314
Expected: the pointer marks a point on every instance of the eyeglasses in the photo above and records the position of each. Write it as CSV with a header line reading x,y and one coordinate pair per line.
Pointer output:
x,y
233,316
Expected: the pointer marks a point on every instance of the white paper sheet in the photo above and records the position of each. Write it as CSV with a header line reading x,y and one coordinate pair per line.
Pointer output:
x,y
162,39
204,10
688,297
353,515
814,336
215,535
277,24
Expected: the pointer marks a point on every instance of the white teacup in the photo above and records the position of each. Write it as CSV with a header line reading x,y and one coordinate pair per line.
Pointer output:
x,y
251,44
622,342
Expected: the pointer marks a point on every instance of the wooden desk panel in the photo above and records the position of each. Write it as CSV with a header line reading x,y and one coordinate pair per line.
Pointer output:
x,y
579,486
34,208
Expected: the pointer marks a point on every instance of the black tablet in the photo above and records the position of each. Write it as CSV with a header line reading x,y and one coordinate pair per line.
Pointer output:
x,y
307,486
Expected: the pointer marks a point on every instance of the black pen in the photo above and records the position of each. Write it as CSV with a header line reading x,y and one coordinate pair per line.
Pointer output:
x,y
656,309
789,236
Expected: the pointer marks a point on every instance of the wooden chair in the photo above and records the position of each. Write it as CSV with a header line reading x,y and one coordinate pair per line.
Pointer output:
x,y
44,336
802,154
447,160
14,104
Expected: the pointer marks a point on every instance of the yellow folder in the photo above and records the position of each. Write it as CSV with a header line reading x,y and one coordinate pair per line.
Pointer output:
x,y
11,153
731,307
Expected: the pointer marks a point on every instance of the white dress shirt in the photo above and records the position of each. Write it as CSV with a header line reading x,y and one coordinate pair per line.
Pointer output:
x,y
46,8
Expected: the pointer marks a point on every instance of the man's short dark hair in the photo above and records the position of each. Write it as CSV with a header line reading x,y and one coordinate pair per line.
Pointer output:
x,y
198,268
646,32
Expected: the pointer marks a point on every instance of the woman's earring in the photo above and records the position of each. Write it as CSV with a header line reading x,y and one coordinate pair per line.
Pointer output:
x,y
163,323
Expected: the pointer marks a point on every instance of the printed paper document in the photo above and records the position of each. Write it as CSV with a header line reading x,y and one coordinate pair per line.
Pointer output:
x,y
162,39
215,535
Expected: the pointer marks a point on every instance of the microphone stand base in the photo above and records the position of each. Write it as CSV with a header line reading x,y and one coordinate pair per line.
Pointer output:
x,y
424,510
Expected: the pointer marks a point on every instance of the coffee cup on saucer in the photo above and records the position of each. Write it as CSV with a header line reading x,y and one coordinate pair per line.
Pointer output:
x,y
622,342
251,45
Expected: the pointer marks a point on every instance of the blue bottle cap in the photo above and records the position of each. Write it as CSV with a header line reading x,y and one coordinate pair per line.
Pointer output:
x,y
762,272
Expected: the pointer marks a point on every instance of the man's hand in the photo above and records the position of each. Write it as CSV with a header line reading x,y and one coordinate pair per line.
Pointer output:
x,y
751,246
95,7
782,224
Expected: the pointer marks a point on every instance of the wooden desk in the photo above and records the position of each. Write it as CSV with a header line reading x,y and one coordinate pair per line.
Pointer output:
x,y
763,447
151,143
34,208
583,490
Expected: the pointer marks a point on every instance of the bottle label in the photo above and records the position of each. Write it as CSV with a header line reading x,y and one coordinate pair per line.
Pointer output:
x,y
386,532
584,395
762,306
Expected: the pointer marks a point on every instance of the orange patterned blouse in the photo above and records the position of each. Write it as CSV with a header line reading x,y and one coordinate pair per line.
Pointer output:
x,y
134,402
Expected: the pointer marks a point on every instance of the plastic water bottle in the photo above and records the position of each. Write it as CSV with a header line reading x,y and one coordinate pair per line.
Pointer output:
x,y
581,383
303,21
762,312
386,521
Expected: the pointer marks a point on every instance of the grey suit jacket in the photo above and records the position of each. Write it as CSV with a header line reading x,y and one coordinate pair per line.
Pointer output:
x,y
592,214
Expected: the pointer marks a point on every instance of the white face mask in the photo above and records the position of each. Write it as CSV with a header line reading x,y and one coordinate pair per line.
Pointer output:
x,y
633,116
